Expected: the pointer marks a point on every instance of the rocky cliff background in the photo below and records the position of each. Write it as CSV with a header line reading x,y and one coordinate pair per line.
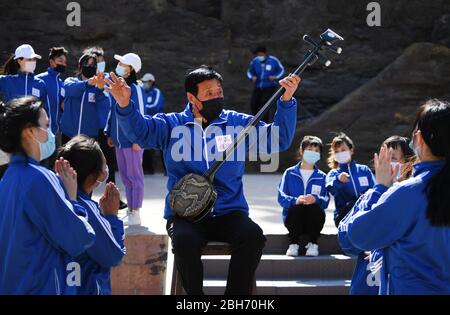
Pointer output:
x,y
371,91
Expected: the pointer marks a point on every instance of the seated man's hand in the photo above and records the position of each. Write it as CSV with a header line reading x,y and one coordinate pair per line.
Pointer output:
x,y
290,83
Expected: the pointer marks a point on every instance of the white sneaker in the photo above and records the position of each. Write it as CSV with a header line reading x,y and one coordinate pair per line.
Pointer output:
x,y
292,250
134,218
312,249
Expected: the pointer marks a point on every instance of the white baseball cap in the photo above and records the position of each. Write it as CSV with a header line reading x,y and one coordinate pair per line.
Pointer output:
x,y
130,60
148,77
26,51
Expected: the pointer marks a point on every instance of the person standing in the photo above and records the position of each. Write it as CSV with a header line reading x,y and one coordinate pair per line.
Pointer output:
x,y
128,153
84,94
55,86
154,104
264,71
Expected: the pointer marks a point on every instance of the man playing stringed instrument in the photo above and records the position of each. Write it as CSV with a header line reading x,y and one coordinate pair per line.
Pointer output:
x,y
203,129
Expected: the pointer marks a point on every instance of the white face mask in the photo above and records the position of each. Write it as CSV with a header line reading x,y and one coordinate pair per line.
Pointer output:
x,y
343,157
106,177
29,66
400,165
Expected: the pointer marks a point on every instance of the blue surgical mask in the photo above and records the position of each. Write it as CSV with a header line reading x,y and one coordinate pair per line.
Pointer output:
x,y
101,66
311,157
260,58
47,148
120,71
411,146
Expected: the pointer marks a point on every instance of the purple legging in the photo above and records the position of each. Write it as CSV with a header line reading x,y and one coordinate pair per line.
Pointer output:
x,y
131,173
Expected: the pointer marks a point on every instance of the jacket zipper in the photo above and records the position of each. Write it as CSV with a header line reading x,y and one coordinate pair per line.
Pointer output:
x,y
351,177
117,132
262,76
58,290
81,113
57,103
205,151
26,84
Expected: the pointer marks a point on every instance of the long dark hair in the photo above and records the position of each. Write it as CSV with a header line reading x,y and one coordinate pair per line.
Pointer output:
x,y
433,121
15,116
132,78
84,155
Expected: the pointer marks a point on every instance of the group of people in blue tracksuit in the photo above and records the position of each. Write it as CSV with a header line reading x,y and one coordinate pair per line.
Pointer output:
x,y
368,269
54,239
395,222
304,191
408,219
79,105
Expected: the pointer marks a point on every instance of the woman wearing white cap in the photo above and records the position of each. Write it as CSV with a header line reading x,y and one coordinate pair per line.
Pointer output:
x,y
128,154
18,80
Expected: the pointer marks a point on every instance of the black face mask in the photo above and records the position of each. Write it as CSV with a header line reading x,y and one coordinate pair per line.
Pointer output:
x,y
212,109
88,71
60,68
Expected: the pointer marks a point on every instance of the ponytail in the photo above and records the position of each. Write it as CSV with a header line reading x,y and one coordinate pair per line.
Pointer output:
x,y
439,197
10,67
433,121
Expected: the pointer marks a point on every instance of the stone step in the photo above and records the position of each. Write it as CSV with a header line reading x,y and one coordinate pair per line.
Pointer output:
x,y
287,287
272,267
277,244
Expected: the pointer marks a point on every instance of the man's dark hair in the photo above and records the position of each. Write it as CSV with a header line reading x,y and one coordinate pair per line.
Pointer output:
x,y
84,155
56,52
260,49
197,76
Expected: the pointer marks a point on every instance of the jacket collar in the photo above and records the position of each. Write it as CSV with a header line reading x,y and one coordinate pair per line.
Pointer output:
x,y
82,194
24,75
297,170
53,72
346,166
432,166
22,158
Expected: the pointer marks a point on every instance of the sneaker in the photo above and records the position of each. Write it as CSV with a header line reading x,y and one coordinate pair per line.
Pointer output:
x,y
122,205
134,218
312,249
292,250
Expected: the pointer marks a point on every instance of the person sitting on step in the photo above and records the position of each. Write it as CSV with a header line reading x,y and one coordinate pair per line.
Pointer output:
x,y
304,198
